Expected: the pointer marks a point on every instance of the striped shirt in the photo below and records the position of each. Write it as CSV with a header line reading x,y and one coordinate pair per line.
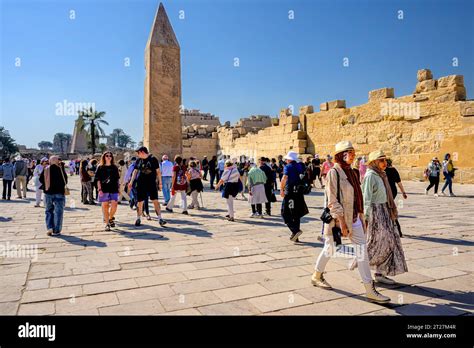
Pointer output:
x,y
231,174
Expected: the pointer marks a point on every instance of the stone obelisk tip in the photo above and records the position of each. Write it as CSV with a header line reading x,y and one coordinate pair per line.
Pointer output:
x,y
162,33
162,118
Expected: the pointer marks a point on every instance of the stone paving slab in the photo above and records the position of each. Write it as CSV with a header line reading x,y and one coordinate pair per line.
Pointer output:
x,y
202,264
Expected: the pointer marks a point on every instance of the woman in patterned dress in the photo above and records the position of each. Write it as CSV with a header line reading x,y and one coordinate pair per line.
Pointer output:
x,y
383,245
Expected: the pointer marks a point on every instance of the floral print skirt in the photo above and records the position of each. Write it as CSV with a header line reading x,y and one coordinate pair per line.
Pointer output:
x,y
383,242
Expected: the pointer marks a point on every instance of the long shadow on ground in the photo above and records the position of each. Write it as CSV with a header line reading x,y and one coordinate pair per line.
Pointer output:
x,y
79,241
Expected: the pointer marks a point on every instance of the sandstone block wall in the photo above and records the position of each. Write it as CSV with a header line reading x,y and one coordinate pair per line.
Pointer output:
x,y
434,120
200,147
260,121
270,142
190,117
411,129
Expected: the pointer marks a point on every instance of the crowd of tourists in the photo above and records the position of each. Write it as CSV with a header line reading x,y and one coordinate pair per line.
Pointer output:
x,y
359,196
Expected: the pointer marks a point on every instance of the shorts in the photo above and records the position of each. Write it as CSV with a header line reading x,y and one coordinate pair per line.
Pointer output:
x,y
107,197
145,190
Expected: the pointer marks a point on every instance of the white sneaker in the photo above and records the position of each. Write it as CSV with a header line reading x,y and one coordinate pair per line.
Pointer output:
x,y
253,215
384,280
426,192
444,194
436,195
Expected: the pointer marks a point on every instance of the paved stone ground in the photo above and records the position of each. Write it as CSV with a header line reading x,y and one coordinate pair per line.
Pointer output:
x,y
202,264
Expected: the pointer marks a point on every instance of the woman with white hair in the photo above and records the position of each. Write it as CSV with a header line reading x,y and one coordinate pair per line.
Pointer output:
x,y
383,243
230,179
36,175
256,183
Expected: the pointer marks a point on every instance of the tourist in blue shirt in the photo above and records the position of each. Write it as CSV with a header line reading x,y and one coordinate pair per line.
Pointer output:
x,y
220,167
293,207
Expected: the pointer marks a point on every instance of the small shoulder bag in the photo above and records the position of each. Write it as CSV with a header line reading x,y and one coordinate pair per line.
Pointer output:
x,y
66,189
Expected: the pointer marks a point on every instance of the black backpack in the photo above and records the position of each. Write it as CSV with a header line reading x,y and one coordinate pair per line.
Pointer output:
x,y
304,185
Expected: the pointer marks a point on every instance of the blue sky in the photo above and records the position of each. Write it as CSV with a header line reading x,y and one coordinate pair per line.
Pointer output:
x,y
282,61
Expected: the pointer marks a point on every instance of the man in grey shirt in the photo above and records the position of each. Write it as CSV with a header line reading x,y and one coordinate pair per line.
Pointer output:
x,y
21,171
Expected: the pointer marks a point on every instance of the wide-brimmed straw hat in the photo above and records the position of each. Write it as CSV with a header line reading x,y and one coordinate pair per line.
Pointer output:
x,y
375,155
343,146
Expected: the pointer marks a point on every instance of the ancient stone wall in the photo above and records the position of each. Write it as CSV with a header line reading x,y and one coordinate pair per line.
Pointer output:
x,y
434,120
200,147
411,129
270,142
259,121
190,117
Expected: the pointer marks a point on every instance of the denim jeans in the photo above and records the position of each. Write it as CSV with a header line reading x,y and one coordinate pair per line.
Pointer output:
x,y
166,187
7,188
54,211
448,183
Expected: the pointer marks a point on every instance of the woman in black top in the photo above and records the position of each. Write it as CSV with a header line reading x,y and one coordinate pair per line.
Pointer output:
x,y
108,183
316,166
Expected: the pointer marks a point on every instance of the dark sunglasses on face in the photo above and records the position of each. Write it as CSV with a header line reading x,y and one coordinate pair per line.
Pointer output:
x,y
108,155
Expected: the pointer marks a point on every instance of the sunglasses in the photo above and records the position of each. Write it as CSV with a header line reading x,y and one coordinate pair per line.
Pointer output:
x,y
383,159
108,155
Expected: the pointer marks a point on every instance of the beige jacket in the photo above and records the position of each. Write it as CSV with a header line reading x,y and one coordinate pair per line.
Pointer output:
x,y
346,207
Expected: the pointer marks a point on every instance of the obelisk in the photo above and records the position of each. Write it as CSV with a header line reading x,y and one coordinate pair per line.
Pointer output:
x,y
79,137
162,123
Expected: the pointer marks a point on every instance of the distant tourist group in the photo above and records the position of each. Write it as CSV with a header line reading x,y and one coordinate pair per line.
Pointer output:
x,y
359,196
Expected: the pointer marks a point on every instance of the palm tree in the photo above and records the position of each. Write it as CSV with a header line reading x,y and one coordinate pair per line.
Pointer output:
x,y
61,141
91,121
116,134
7,144
124,140
45,145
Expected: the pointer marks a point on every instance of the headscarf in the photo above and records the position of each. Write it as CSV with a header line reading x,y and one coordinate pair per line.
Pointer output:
x,y
392,207
53,160
355,182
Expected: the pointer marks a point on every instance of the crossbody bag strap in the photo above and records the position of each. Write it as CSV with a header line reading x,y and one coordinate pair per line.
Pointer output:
x,y
338,189
228,178
62,174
